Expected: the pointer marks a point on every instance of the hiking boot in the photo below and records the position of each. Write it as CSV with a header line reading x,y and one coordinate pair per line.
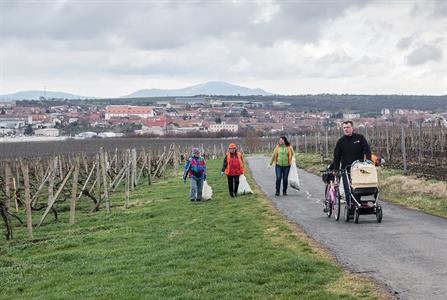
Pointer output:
x,y
284,193
276,194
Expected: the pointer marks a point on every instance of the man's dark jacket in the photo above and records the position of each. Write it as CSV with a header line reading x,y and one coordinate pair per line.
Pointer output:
x,y
349,149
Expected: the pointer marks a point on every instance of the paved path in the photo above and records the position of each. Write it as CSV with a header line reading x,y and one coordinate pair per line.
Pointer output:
x,y
407,251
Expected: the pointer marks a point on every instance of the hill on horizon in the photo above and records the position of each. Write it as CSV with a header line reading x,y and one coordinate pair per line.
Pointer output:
x,y
218,88
35,95
209,88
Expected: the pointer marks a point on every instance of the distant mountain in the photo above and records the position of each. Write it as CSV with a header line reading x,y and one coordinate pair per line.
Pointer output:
x,y
208,88
35,95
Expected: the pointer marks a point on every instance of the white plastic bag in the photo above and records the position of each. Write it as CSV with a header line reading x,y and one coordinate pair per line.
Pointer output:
x,y
294,180
207,191
244,187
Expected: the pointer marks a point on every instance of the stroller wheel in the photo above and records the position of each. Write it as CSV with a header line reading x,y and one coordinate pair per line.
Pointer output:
x,y
346,213
379,214
356,216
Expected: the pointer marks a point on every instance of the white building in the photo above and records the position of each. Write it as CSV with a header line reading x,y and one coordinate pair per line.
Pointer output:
x,y
351,116
87,134
280,104
12,122
107,134
216,103
158,130
9,104
223,126
47,132
385,111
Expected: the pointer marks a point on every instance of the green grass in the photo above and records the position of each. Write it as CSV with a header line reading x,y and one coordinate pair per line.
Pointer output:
x,y
165,247
429,196
311,162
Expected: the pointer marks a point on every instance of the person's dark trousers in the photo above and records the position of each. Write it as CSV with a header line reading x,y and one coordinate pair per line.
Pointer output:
x,y
282,173
233,184
347,187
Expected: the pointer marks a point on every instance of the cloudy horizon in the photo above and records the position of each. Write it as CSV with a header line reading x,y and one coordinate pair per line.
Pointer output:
x,y
112,48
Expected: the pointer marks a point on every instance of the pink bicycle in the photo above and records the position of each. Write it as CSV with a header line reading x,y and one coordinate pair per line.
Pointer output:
x,y
332,195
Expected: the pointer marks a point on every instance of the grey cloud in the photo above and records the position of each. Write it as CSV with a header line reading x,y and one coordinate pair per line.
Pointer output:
x,y
430,9
182,25
424,54
439,9
168,24
339,57
318,10
25,19
404,43
149,69
299,21
334,65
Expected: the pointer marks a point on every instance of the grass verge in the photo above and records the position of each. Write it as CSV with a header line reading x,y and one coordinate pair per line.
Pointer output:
x,y
164,247
429,196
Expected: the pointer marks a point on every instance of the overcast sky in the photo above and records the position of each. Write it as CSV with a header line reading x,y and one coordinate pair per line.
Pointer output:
x,y
112,48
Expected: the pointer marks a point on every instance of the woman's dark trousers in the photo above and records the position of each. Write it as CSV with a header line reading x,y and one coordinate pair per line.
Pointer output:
x,y
233,184
282,173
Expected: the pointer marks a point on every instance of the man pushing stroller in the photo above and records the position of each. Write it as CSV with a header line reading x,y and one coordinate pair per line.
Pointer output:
x,y
349,148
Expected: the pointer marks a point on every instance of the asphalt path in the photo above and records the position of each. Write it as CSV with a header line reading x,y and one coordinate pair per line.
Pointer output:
x,y
407,251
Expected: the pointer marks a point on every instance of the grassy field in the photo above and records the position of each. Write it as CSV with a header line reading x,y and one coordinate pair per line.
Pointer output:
x,y
165,247
429,196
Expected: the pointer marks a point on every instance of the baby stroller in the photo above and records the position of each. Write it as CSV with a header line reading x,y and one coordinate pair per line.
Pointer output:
x,y
364,192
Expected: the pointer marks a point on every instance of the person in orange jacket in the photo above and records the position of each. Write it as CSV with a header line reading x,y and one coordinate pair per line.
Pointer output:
x,y
377,160
233,167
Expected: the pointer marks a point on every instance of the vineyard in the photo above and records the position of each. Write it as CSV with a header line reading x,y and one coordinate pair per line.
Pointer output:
x,y
414,149
157,145
35,178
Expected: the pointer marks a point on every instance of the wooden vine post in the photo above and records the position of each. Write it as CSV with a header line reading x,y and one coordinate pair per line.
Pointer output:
x,y
134,169
14,186
404,153
305,143
74,190
387,134
104,179
98,181
29,220
127,180
149,168
51,180
8,185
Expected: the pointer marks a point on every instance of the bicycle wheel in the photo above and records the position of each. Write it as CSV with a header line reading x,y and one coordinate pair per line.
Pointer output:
x,y
337,205
327,201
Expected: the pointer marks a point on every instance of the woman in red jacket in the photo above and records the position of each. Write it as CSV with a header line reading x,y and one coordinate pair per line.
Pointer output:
x,y
233,167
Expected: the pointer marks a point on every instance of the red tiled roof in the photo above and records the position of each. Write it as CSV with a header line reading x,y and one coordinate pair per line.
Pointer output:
x,y
120,109
151,123
38,117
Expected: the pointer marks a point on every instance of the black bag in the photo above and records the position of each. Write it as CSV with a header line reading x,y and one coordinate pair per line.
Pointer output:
x,y
327,177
